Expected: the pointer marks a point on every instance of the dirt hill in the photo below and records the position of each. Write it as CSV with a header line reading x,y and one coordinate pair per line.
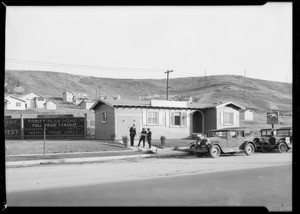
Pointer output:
x,y
259,95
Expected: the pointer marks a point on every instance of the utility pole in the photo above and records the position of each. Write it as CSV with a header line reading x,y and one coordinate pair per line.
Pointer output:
x,y
168,71
244,83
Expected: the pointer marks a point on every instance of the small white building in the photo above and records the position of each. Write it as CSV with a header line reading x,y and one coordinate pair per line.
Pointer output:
x,y
32,102
39,102
86,104
68,96
246,114
13,103
50,105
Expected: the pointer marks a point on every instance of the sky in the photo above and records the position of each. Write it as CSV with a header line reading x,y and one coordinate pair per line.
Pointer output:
x,y
138,42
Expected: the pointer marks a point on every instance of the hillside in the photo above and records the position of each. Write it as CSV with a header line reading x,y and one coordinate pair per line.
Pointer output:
x,y
260,95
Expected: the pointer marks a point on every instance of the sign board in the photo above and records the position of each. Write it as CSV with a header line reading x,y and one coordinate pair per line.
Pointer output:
x,y
12,128
54,115
55,127
272,117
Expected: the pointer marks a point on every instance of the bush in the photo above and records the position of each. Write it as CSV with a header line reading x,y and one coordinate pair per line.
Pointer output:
x,y
113,137
125,140
162,141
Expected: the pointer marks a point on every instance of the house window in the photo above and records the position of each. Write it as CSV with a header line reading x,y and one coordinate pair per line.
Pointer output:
x,y
178,119
18,104
228,118
103,117
152,118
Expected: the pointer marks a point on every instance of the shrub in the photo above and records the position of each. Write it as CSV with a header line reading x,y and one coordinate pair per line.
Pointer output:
x,y
125,140
113,137
162,141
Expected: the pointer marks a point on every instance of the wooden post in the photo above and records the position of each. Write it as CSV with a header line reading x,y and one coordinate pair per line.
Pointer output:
x,y
85,125
44,140
22,128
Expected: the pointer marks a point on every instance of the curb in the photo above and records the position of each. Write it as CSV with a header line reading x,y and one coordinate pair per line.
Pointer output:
x,y
93,159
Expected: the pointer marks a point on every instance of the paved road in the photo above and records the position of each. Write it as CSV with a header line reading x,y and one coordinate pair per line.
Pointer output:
x,y
261,179
253,187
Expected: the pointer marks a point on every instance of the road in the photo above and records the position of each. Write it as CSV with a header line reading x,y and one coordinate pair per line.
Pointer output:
x,y
258,180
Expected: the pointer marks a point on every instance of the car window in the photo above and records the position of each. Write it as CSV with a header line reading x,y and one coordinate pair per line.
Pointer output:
x,y
220,134
231,134
266,133
240,133
282,133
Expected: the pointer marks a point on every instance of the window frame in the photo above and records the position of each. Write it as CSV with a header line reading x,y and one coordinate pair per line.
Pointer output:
x,y
156,118
104,119
183,121
231,116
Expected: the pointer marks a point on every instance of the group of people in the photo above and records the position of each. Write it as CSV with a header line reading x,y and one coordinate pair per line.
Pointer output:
x,y
144,134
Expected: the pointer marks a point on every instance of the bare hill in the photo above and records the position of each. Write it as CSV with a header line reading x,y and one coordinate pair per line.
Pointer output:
x,y
259,95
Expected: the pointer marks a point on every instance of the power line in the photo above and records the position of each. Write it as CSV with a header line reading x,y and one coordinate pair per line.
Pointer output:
x,y
81,66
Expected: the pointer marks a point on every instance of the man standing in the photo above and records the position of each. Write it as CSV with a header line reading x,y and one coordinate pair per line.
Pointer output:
x,y
132,133
143,137
149,137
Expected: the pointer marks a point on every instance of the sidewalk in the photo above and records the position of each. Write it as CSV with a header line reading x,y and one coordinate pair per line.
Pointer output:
x,y
109,156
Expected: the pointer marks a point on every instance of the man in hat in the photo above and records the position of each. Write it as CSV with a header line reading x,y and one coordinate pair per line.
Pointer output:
x,y
143,137
149,137
132,133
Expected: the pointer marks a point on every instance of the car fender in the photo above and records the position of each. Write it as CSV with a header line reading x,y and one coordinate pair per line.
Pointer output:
x,y
243,146
216,143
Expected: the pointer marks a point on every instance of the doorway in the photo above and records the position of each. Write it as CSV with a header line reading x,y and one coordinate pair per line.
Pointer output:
x,y
198,122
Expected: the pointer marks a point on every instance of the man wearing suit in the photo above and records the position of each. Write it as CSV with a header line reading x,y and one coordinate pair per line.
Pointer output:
x,y
132,133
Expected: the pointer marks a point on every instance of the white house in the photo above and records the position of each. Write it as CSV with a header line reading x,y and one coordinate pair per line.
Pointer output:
x,y
86,104
13,103
246,114
50,105
32,102
68,96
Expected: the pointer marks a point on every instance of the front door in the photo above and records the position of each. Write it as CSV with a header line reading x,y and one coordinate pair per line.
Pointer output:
x,y
197,122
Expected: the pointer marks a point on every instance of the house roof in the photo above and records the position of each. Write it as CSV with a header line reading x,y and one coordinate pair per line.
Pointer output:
x,y
162,104
6,98
24,96
49,102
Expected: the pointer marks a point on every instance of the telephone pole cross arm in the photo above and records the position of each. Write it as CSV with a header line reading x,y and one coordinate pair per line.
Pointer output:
x,y
167,72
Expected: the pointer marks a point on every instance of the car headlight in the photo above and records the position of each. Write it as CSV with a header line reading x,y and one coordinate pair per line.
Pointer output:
x,y
207,142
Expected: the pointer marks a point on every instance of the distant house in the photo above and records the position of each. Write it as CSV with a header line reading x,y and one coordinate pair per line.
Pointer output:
x,y
67,97
33,100
13,103
86,104
50,105
246,114
74,97
173,119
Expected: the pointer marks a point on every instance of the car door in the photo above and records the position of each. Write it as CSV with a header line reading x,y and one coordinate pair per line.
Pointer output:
x,y
232,141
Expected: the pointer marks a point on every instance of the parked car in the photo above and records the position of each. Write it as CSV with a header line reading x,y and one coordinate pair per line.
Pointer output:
x,y
279,139
222,141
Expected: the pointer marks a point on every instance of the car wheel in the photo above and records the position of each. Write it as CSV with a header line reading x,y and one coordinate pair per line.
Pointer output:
x,y
282,148
249,150
214,151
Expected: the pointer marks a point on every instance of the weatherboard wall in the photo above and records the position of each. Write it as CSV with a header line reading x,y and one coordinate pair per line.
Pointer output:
x,y
104,129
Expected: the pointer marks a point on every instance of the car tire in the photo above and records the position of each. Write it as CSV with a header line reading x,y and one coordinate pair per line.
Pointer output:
x,y
282,148
249,149
215,151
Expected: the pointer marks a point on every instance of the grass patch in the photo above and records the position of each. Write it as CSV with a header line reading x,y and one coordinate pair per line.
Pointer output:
x,y
18,147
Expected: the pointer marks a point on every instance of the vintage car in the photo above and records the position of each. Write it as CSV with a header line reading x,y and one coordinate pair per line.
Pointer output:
x,y
221,141
279,139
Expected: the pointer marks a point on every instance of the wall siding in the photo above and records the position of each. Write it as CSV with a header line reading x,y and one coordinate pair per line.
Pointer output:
x,y
104,130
